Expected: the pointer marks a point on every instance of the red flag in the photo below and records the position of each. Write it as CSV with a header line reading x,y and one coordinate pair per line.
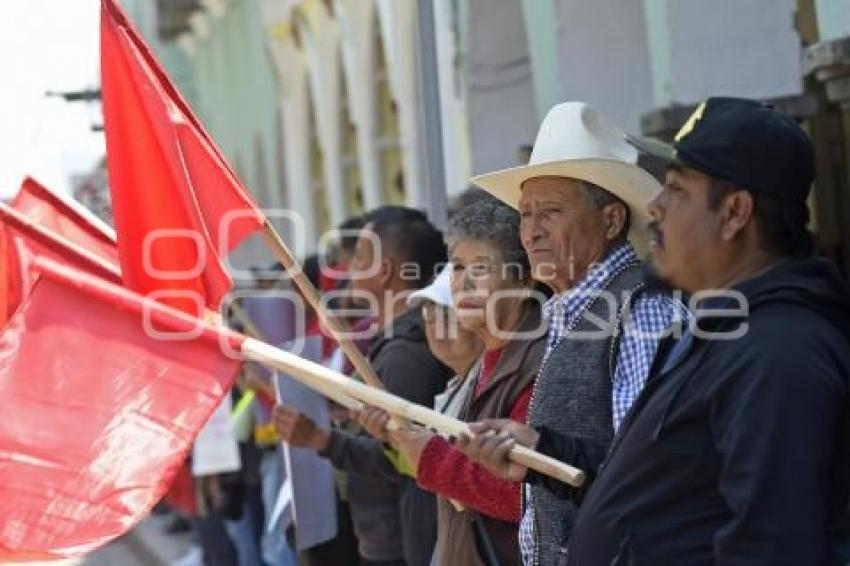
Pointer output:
x,y
66,218
98,415
22,241
172,190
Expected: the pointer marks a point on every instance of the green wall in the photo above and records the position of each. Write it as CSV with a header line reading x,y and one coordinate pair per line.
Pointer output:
x,y
541,34
658,35
237,97
833,18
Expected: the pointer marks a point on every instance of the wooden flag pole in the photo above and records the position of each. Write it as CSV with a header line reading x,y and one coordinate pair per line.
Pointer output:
x,y
251,330
327,382
338,329
248,324
322,379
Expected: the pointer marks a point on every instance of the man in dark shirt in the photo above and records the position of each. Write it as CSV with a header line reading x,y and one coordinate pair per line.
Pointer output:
x,y
395,521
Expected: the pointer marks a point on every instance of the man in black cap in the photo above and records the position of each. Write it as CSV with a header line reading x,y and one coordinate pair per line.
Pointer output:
x,y
738,449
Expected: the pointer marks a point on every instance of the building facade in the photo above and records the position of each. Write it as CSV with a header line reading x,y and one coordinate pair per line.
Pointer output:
x,y
318,103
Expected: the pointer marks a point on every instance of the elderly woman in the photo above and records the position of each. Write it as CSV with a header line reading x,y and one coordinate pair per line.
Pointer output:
x,y
493,293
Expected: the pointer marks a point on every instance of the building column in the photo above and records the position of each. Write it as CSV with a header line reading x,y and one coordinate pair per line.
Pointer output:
x,y
357,21
398,33
541,29
658,38
295,108
452,99
319,33
603,57
499,84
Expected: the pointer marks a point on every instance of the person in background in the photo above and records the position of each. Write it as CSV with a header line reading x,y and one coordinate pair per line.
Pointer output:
x,y
344,544
349,231
333,278
276,548
334,274
395,522
241,495
344,303
457,347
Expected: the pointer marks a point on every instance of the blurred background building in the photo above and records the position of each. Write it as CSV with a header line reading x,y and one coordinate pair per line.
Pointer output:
x,y
322,106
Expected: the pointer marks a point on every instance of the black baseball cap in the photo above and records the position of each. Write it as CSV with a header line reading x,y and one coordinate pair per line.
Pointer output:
x,y
744,142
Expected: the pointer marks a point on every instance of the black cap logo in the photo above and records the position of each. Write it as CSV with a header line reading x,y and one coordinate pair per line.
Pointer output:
x,y
688,127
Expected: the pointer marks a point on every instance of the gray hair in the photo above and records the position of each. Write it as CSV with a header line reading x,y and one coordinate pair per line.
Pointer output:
x,y
599,198
490,220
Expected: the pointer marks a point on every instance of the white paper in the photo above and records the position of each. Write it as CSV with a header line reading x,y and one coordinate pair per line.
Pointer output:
x,y
215,450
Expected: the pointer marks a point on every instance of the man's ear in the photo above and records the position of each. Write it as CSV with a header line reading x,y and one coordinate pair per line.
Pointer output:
x,y
736,212
387,271
614,216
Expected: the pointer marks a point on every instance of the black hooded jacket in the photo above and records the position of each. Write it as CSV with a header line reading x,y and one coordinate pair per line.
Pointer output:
x,y
737,451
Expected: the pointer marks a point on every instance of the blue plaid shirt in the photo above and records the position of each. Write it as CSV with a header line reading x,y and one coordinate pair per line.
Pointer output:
x,y
651,315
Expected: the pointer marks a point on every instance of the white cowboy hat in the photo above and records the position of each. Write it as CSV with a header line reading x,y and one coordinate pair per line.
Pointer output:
x,y
579,142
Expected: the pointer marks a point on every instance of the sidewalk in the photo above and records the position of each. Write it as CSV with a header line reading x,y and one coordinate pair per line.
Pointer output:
x,y
146,545
150,543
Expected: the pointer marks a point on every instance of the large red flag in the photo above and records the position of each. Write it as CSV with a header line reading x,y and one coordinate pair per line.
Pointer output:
x,y
66,218
98,414
172,191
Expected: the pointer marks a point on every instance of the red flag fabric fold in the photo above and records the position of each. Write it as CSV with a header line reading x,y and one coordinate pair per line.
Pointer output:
x,y
21,240
65,218
98,414
8,269
177,205
38,240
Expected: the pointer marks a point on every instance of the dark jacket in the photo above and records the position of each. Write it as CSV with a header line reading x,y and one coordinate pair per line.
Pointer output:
x,y
737,450
392,517
457,540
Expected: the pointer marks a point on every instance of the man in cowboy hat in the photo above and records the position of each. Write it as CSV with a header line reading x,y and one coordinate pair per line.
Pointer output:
x,y
737,450
580,200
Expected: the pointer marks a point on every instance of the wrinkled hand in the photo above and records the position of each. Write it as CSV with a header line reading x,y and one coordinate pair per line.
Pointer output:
x,y
492,442
297,429
374,421
410,442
